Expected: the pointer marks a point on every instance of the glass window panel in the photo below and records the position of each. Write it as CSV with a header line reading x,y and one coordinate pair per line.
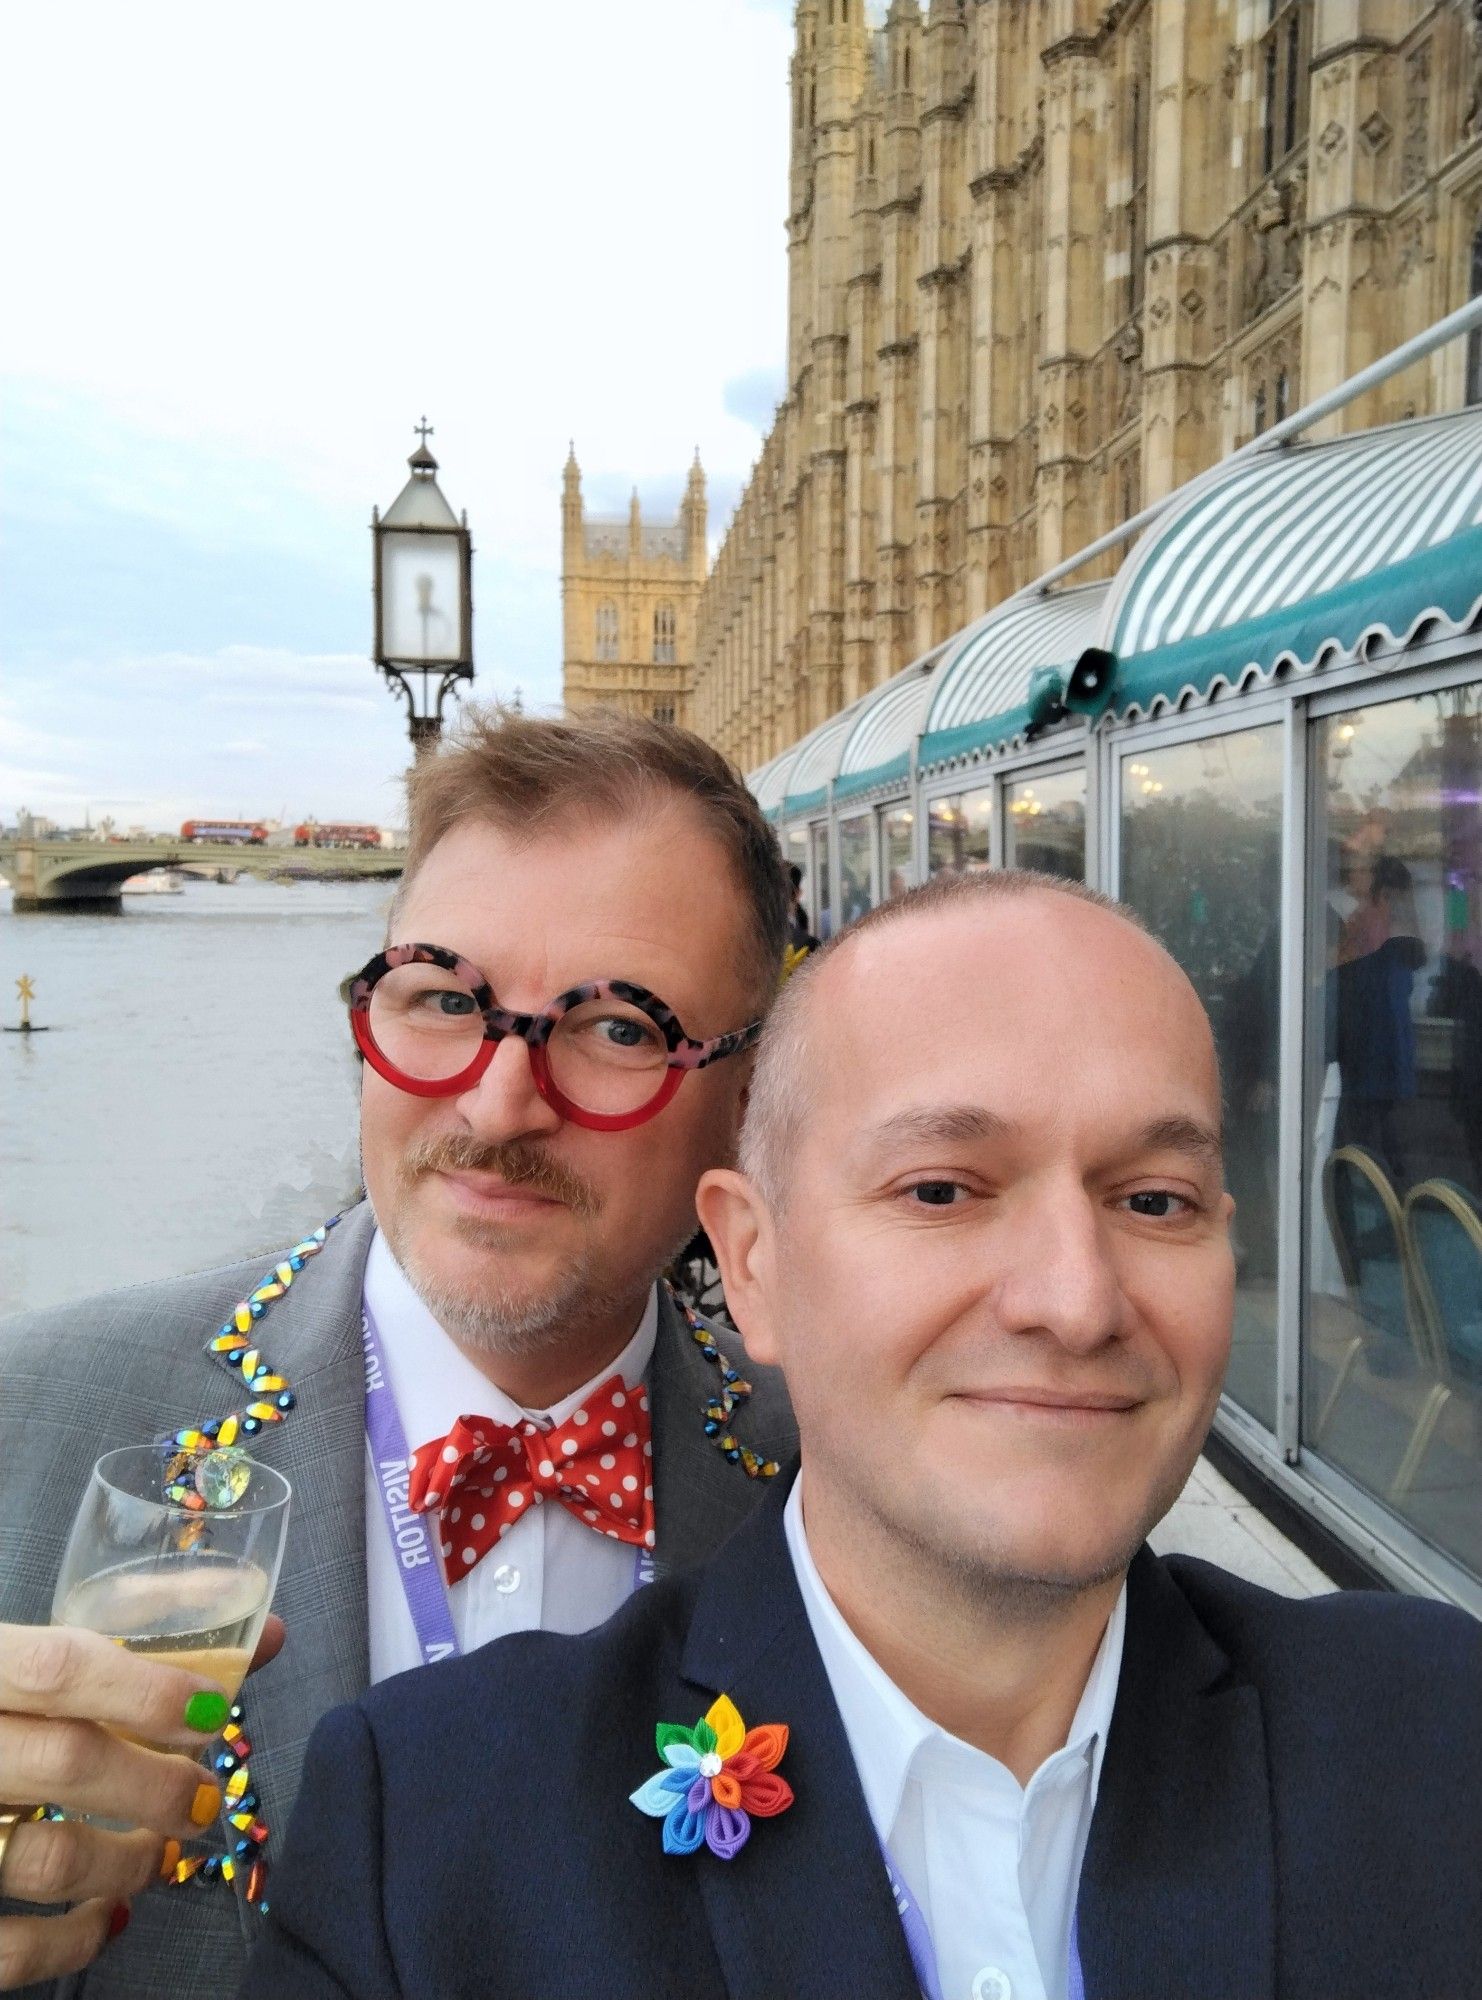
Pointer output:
x,y
819,879
897,856
856,892
959,832
1392,1334
795,848
1201,864
1044,824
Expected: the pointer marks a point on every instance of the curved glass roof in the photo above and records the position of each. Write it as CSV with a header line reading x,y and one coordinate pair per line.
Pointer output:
x,y
768,786
817,762
980,691
1301,551
878,748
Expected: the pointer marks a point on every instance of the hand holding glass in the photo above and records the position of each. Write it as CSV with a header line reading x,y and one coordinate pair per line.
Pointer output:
x,y
188,1588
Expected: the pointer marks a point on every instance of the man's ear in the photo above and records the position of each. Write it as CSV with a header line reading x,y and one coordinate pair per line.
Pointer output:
x,y
735,1218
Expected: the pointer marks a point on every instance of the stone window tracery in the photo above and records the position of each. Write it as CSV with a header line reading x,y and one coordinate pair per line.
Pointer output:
x,y
664,644
1286,51
607,631
1269,375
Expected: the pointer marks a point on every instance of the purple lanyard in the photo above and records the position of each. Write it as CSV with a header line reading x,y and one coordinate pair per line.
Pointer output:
x,y
923,1951
410,1536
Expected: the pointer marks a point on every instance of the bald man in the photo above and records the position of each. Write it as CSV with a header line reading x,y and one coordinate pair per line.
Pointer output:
x,y
936,1721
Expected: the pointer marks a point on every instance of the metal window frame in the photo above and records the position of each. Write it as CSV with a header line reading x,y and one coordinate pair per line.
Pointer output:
x,y
991,775
837,817
1049,767
1263,708
896,802
1319,1488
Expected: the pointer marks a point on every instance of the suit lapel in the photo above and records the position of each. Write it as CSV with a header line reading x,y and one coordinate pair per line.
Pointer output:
x,y
1177,1893
805,1907
699,1496
313,1336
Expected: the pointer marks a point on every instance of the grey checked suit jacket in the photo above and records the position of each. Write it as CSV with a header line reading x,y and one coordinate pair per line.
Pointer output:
x,y
122,1369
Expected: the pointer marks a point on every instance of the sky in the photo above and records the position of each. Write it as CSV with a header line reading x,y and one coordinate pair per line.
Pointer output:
x,y
251,247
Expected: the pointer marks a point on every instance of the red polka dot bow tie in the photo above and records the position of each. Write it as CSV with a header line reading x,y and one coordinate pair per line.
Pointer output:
x,y
483,1476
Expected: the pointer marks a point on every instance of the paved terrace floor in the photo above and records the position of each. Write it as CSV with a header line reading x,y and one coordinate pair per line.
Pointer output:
x,y
1210,1519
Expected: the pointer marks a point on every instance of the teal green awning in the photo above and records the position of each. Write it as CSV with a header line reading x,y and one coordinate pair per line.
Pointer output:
x,y
1440,583
979,691
877,751
816,765
1299,554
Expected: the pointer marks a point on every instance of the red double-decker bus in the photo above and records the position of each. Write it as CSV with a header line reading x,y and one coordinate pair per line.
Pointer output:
x,y
334,833
230,832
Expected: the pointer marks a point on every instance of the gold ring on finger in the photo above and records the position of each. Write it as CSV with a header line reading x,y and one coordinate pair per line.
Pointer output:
x,y
10,1818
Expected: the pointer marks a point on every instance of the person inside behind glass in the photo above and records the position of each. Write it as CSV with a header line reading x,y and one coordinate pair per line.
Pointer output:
x,y
1379,953
935,1721
800,938
556,1043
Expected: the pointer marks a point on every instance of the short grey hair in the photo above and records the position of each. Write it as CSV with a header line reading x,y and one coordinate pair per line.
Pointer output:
x,y
779,1096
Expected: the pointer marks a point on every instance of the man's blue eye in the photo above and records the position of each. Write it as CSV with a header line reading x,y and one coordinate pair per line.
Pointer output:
x,y
455,1003
624,1034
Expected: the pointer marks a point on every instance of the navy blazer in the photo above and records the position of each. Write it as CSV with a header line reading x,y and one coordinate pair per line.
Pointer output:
x,y
1290,1806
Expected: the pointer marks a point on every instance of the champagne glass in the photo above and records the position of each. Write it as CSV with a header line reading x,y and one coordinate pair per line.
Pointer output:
x,y
187,1585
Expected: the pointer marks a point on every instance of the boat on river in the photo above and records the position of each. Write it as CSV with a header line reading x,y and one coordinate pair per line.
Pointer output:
x,y
155,882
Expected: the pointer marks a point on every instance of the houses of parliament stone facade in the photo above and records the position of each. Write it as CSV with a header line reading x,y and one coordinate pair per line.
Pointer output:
x,y
630,592
1047,259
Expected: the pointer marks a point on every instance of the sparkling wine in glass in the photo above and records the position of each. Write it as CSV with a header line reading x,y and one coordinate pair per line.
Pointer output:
x,y
184,1584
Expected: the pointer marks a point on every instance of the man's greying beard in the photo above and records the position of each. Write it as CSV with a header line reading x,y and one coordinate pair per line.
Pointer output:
x,y
494,1321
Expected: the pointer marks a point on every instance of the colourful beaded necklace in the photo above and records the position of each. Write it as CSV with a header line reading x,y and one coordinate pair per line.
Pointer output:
x,y
188,1455
191,1452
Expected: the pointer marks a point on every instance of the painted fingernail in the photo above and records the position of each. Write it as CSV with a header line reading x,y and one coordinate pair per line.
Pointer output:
x,y
205,1805
119,1921
207,1711
169,1859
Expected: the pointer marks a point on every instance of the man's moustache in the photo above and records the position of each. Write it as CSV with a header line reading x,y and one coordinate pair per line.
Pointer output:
x,y
516,1164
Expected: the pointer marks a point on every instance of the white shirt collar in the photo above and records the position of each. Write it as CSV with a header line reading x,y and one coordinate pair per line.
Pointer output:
x,y
885,1728
434,1380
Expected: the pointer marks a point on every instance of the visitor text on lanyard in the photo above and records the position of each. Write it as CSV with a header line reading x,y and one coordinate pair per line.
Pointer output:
x,y
411,1535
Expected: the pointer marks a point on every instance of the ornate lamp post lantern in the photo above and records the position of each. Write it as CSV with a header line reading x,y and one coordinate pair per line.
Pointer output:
x,y
423,595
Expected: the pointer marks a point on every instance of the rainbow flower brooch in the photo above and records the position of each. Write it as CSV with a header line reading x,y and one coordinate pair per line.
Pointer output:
x,y
717,1778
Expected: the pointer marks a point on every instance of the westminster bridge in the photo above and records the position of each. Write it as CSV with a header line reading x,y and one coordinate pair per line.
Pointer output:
x,y
47,874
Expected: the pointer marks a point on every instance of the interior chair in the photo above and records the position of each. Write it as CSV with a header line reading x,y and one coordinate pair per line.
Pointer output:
x,y
1367,1224
1444,1226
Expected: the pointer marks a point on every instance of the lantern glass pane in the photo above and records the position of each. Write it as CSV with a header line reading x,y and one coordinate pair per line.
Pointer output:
x,y
422,599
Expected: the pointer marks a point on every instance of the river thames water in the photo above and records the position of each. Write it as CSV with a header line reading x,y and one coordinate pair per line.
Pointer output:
x,y
194,1098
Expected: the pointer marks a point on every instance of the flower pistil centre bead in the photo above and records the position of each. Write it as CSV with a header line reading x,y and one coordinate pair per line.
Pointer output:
x,y
710,1765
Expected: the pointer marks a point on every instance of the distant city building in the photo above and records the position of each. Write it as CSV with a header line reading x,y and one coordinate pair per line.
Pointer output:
x,y
1045,263
629,591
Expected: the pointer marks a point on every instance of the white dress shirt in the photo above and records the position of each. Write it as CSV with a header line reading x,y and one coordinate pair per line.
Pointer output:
x,y
992,1865
551,1572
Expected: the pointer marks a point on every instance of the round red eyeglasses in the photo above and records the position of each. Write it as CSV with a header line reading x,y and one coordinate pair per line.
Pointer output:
x,y
608,1055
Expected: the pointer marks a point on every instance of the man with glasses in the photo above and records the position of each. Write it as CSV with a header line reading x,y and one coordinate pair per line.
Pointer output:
x,y
493,1417
936,1722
